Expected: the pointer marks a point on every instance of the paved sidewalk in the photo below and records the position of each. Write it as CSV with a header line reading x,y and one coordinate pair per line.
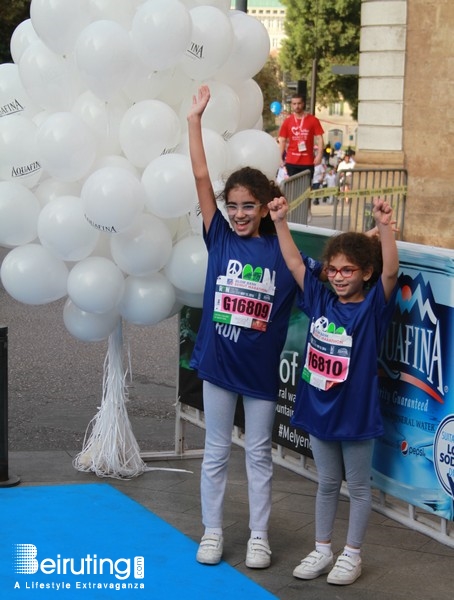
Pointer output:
x,y
398,563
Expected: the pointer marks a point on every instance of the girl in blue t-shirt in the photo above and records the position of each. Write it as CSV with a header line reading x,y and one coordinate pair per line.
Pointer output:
x,y
337,399
248,296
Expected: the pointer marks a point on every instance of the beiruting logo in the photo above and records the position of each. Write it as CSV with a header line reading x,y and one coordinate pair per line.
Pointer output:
x,y
27,562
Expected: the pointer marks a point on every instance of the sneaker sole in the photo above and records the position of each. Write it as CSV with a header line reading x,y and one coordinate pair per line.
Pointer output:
x,y
256,565
302,575
333,581
206,561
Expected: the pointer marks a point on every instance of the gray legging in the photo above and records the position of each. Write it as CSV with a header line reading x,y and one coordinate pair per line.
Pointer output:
x,y
330,458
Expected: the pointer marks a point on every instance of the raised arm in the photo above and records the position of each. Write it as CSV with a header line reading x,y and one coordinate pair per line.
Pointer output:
x,y
383,212
205,192
278,211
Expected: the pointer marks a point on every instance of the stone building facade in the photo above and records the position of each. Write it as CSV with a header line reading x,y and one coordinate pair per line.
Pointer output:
x,y
406,107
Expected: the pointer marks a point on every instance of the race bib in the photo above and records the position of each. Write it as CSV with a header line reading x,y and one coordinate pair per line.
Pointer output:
x,y
327,358
242,302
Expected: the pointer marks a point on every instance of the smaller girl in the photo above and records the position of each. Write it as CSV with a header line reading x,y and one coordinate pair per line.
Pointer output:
x,y
337,399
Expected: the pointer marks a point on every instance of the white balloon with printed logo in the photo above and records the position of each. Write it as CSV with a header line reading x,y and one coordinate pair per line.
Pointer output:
x,y
160,32
147,300
66,146
144,248
95,284
186,269
14,99
19,211
254,148
63,228
210,43
19,157
113,197
148,129
33,274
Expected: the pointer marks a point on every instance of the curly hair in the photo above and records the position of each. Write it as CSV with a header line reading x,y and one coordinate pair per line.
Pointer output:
x,y
259,186
361,250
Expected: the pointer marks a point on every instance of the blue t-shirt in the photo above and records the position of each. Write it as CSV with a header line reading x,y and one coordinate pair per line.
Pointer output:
x,y
233,357
337,396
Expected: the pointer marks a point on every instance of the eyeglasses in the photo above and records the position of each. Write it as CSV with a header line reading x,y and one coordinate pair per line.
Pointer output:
x,y
345,272
248,209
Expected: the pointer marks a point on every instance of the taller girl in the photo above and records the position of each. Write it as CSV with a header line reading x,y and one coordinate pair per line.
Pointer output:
x,y
246,307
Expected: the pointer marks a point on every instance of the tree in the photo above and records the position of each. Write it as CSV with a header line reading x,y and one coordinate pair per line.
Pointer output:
x,y
13,12
269,79
327,32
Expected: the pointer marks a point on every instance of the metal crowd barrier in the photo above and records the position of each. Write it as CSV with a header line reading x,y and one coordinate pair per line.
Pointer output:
x,y
346,210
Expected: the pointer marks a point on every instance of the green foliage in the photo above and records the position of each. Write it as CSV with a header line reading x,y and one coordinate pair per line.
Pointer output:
x,y
328,31
12,13
268,80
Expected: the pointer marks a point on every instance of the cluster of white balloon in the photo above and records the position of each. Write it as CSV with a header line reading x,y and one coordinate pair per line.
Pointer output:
x,y
97,198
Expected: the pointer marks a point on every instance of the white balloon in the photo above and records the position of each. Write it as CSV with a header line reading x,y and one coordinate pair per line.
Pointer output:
x,y
19,158
104,57
145,248
67,147
176,89
251,103
161,30
186,269
169,185
223,5
63,228
22,37
50,189
144,84
19,210
254,148
114,10
147,300
148,129
86,326
59,22
13,97
188,299
34,275
115,160
215,151
96,285
103,119
51,81
250,50
210,44
113,197
222,113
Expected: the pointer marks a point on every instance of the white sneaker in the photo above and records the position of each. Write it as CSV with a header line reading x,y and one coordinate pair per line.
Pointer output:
x,y
258,554
345,571
315,564
210,549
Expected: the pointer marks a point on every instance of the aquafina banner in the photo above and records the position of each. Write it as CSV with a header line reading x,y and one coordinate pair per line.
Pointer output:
x,y
414,460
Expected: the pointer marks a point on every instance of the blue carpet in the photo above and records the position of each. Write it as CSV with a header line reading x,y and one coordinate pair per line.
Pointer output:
x,y
93,542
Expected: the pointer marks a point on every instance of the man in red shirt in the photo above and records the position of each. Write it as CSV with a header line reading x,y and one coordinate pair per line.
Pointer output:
x,y
300,133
